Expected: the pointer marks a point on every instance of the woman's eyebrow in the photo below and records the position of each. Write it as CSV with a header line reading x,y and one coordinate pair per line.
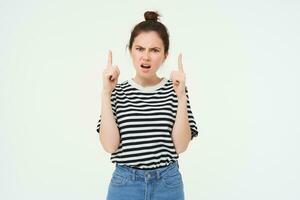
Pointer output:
x,y
144,47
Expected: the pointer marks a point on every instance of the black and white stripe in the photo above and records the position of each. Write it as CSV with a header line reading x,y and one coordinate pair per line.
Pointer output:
x,y
145,120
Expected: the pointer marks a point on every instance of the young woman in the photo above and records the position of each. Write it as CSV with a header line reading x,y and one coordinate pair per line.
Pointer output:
x,y
146,121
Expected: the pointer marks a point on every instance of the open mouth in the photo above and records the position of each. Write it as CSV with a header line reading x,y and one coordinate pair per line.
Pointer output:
x,y
145,66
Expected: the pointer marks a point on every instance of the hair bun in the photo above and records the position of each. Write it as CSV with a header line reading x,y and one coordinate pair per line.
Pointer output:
x,y
151,15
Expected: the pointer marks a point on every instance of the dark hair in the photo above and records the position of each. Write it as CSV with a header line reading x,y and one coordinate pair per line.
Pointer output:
x,y
151,24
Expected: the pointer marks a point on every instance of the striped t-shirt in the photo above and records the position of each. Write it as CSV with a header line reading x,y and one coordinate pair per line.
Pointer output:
x,y
145,117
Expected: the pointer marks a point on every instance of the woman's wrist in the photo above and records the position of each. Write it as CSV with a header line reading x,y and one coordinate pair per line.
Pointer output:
x,y
182,98
106,93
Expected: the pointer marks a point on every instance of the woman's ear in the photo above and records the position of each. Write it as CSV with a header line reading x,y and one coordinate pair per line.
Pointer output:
x,y
166,55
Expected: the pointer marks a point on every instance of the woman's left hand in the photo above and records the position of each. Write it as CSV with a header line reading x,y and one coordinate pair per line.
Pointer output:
x,y
178,78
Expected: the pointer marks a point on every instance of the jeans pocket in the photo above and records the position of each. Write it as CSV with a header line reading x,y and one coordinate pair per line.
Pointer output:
x,y
118,179
172,179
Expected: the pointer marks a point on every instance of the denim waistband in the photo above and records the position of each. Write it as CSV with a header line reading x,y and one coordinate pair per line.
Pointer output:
x,y
148,173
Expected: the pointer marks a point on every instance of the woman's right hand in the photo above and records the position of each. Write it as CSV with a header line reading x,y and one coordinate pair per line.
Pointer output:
x,y
110,75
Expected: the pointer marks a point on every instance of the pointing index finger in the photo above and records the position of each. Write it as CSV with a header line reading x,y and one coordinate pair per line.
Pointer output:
x,y
180,65
109,62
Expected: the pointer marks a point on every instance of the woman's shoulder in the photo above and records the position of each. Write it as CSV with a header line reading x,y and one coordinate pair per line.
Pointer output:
x,y
121,87
122,84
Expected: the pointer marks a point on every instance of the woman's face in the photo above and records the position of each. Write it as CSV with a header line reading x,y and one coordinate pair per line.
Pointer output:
x,y
147,54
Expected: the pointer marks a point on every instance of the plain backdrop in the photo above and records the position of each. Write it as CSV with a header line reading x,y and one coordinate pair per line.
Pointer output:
x,y
241,60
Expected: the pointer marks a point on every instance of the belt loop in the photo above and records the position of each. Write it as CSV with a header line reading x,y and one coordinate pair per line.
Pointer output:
x,y
158,174
134,174
177,164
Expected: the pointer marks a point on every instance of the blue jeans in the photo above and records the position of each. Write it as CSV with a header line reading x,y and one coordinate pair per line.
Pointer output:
x,y
164,183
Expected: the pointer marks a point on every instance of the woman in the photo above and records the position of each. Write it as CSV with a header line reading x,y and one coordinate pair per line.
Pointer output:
x,y
146,121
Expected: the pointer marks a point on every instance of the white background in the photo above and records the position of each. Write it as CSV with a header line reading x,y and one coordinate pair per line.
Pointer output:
x,y
241,60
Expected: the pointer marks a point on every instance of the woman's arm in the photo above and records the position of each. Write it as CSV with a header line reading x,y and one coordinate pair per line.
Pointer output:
x,y
181,133
109,133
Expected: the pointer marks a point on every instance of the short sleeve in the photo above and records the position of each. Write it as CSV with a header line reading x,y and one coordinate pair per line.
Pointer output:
x,y
192,122
113,106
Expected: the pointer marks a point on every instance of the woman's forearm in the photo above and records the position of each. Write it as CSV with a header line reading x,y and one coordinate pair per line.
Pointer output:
x,y
181,133
109,132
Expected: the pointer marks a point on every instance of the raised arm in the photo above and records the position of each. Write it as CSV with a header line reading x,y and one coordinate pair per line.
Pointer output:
x,y
109,133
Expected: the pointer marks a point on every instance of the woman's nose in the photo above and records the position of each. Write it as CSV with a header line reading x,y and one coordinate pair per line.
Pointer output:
x,y
146,55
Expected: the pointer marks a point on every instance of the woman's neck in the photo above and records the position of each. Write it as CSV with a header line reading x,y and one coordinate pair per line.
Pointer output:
x,y
147,82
